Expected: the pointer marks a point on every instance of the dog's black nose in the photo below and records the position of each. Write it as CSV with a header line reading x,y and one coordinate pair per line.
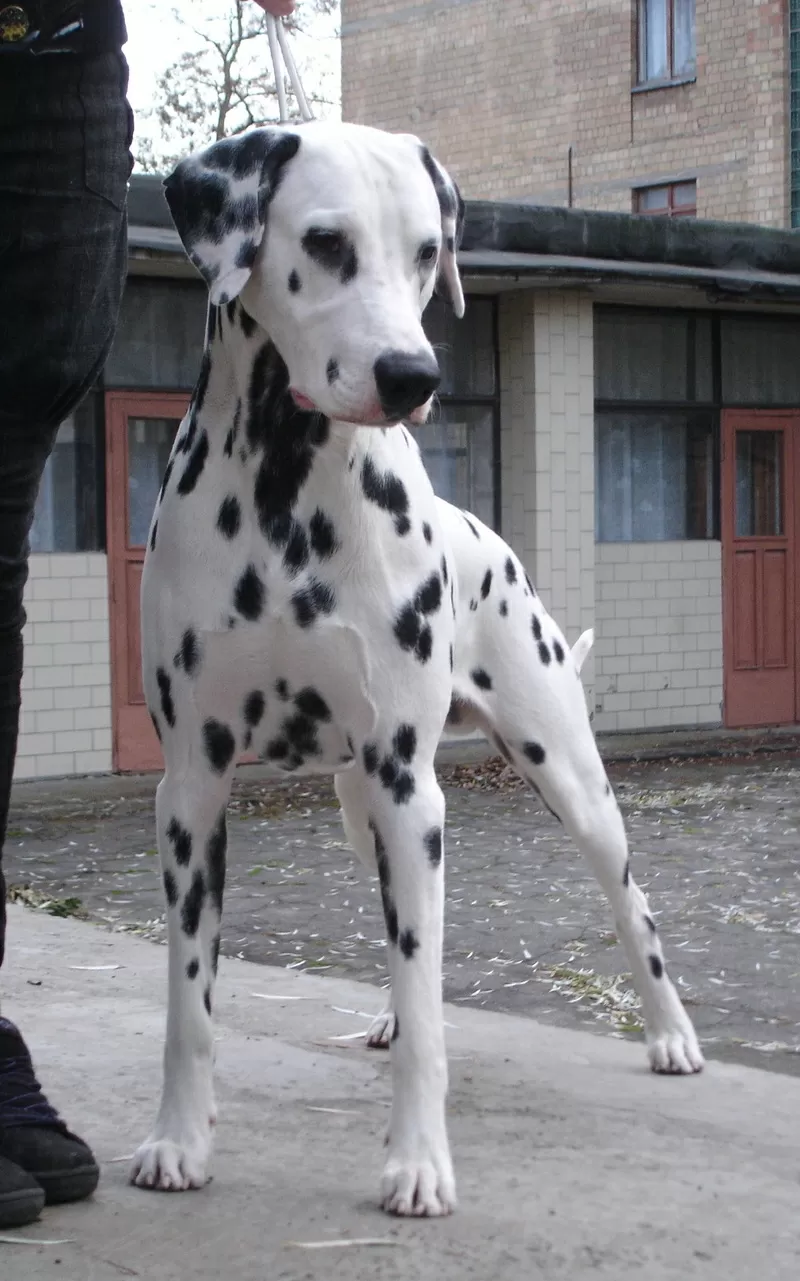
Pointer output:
x,y
405,380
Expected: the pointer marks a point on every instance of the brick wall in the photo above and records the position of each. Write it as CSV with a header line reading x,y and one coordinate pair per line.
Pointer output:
x,y
547,448
658,648
65,725
501,93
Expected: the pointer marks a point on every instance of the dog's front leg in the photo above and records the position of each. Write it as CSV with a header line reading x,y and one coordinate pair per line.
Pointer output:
x,y
407,817
192,843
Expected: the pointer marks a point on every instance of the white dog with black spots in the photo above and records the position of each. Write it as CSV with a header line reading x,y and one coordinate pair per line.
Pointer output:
x,y
306,597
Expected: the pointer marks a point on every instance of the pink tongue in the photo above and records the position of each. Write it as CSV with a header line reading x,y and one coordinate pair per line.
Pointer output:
x,y
300,400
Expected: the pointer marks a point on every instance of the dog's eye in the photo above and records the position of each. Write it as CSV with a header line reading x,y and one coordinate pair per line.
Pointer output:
x,y
427,253
328,248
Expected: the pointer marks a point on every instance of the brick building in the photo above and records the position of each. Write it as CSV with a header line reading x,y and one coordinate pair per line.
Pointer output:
x,y
589,102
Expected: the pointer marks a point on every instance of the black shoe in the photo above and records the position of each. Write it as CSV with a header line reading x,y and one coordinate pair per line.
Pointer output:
x,y
32,1135
21,1197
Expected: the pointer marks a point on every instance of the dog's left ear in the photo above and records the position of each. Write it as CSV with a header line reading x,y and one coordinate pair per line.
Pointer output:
x,y
452,211
218,199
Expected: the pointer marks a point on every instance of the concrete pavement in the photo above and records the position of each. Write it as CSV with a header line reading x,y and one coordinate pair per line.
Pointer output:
x,y
573,1161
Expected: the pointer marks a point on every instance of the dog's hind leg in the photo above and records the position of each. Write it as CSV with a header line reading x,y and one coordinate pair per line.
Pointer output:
x,y
360,835
190,813
524,686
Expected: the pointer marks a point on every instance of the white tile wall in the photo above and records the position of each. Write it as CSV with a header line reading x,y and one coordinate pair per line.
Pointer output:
x,y
65,725
658,648
547,449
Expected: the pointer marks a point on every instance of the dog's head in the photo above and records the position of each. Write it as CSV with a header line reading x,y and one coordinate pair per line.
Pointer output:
x,y
335,237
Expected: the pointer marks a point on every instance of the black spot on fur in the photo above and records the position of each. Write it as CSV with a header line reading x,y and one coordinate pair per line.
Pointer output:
x,y
194,468
388,492
608,789
312,704
395,1029
166,477
486,585
247,323
511,571
227,448
249,594
254,706
156,725
427,532
181,840
534,753
424,646
332,370
207,1000
407,626
656,966
190,651
473,605
558,651
247,254
215,942
472,527
481,678
282,689
433,844
503,608
651,925
445,575
219,744
530,586
544,653
400,782
536,627
626,875
294,282
229,517
405,743
323,536
295,556
311,601
408,943
193,969
192,906
429,597
170,887
451,658
369,754
153,533
165,689
216,849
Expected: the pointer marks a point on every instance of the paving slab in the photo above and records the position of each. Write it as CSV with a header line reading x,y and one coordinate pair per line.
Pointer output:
x,y
573,1160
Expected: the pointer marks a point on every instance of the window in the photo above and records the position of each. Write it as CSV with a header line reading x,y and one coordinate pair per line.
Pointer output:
x,y
655,426
68,515
673,200
666,40
459,441
160,335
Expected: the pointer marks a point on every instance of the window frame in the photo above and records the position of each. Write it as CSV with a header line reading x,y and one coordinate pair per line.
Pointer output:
x,y
673,77
671,210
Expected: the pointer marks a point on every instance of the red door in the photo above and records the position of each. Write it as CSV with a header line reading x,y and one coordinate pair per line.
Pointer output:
x,y
760,455
140,429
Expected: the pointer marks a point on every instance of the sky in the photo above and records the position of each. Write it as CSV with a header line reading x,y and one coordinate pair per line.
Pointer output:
x,y
155,40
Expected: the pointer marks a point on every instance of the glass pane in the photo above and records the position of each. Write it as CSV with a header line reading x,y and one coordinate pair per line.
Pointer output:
x,y
759,360
653,16
759,483
684,195
159,339
650,355
149,445
67,516
653,199
458,452
654,477
464,348
683,41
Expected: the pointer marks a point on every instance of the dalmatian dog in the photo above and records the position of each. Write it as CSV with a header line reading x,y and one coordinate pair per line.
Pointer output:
x,y
305,597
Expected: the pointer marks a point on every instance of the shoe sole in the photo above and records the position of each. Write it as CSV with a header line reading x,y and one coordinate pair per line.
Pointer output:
x,y
19,1208
62,1186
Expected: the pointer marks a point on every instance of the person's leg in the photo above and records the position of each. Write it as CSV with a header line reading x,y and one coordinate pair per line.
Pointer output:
x,y
64,166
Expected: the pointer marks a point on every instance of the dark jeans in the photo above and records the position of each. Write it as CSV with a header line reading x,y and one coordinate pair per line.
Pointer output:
x,y
65,130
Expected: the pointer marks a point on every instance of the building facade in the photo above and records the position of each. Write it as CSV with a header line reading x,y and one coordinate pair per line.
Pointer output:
x,y
629,105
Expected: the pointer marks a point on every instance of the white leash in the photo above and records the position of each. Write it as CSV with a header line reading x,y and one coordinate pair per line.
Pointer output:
x,y
281,53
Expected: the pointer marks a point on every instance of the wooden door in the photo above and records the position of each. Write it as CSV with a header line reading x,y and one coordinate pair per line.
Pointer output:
x,y
140,428
759,566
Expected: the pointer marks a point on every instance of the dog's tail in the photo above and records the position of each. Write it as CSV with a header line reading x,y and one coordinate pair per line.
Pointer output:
x,y
580,649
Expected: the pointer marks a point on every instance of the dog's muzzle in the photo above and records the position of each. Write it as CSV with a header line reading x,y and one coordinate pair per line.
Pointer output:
x,y
405,381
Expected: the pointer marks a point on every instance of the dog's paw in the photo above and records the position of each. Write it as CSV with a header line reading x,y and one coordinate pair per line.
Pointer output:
x,y
421,1185
165,1165
675,1051
380,1031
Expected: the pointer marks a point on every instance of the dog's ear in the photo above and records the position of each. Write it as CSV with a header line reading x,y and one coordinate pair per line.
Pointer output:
x,y
452,209
218,199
